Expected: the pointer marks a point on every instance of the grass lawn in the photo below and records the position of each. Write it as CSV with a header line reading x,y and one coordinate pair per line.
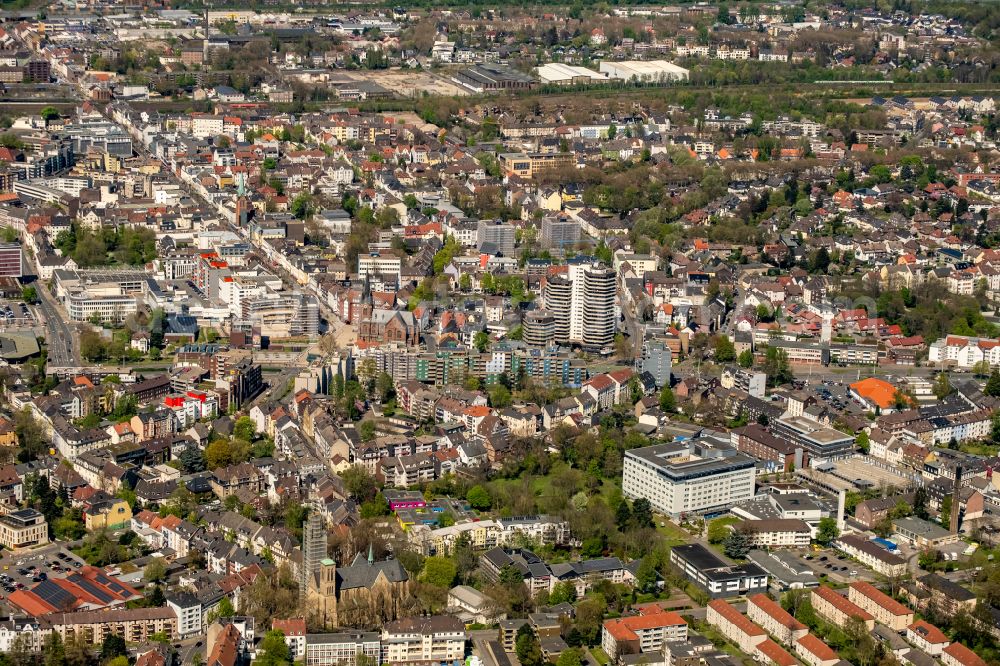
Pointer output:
x,y
600,656
718,640
978,448
673,533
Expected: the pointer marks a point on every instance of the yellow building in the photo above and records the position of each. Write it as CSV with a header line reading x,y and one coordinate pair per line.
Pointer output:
x,y
529,165
111,514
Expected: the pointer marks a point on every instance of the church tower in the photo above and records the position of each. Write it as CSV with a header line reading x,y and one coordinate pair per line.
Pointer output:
x,y
313,549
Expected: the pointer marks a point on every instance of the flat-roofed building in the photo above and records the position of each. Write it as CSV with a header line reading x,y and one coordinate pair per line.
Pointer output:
x,y
645,71
922,533
720,579
701,475
529,165
23,528
135,625
419,641
785,570
561,74
343,648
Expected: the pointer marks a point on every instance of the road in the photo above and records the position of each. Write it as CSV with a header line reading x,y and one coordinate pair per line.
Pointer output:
x,y
63,350
333,322
187,648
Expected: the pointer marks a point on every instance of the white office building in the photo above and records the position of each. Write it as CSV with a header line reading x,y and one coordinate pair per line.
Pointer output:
x,y
700,475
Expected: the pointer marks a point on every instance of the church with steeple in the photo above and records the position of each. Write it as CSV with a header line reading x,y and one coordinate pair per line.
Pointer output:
x,y
367,593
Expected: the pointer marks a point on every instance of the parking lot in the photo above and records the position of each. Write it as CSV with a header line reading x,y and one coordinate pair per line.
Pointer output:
x,y
837,566
25,570
16,314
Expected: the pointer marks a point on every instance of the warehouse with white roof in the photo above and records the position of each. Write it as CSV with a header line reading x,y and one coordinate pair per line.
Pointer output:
x,y
645,71
561,74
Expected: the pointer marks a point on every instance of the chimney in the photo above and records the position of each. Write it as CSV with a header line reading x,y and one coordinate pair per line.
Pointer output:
x,y
841,506
955,500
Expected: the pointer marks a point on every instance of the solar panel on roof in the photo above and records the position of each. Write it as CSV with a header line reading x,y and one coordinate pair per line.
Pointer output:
x,y
54,595
91,588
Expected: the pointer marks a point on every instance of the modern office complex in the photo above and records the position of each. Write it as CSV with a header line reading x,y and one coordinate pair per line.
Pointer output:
x,y
697,476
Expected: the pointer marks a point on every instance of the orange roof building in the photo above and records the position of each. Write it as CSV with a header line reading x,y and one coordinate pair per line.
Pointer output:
x,y
837,609
769,652
957,654
646,632
882,607
874,393
774,619
927,637
815,652
735,626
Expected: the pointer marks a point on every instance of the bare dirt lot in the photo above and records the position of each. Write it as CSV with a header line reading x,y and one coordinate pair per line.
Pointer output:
x,y
411,83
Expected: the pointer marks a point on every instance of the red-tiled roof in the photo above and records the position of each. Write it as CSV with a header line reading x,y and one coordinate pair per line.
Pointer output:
x,y
881,598
842,604
776,654
736,618
928,632
772,608
964,655
817,647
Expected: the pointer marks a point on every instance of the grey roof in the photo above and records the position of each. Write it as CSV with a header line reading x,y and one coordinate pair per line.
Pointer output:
x,y
362,574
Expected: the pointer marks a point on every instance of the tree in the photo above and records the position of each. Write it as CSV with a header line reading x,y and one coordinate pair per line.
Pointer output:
x,y
718,530
828,530
155,571
225,609
946,505
439,571
359,483
273,650
737,544
570,657
219,453
30,435
479,498
29,294
527,648
481,340
746,359
563,592
777,367
192,460
53,650
245,428
366,430
942,386
668,403
992,388
725,351
113,646
49,113
499,396
92,346
862,441
642,513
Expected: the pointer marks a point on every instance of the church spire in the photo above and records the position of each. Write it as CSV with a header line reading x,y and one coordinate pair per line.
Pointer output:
x,y
371,554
